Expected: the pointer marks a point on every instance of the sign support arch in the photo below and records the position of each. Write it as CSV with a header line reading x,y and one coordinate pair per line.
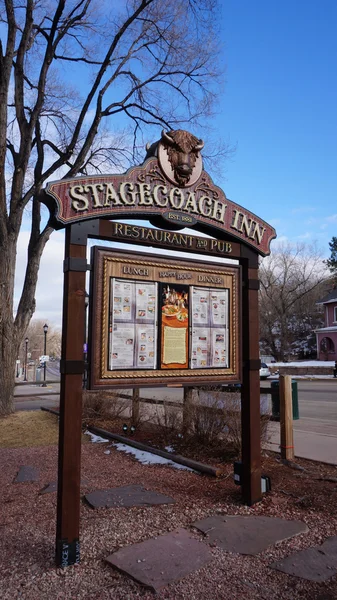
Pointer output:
x,y
83,206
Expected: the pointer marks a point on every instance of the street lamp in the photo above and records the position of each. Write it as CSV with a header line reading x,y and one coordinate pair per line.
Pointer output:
x,y
26,347
45,329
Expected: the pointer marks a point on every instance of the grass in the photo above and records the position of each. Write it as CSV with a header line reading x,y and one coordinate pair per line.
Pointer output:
x,y
25,429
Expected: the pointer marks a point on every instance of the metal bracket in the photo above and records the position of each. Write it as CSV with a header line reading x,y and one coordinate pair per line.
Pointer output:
x,y
79,232
250,255
72,367
75,264
252,365
67,553
253,284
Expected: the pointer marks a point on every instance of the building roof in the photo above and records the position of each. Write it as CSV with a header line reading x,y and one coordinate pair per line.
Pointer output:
x,y
330,297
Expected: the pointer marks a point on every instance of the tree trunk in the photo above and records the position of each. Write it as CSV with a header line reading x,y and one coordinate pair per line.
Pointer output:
x,y
8,353
9,339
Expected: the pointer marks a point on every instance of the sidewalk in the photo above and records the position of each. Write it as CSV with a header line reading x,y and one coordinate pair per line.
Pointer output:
x,y
307,444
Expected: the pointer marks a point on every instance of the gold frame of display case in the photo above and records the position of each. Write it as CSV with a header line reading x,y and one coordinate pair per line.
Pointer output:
x,y
179,275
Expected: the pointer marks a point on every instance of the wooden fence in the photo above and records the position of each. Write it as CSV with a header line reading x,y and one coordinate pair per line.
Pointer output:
x,y
285,398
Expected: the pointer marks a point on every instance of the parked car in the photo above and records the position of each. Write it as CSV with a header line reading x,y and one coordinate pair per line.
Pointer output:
x,y
267,358
264,371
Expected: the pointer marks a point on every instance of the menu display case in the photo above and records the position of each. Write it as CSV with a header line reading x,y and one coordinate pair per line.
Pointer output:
x,y
159,321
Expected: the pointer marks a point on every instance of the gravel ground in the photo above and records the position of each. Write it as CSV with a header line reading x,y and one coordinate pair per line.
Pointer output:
x,y
27,521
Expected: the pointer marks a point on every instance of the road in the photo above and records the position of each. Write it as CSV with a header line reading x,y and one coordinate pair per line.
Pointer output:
x,y
315,432
317,403
37,395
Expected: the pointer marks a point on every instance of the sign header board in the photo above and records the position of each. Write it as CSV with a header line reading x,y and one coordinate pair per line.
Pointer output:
x,y
134,234
150,192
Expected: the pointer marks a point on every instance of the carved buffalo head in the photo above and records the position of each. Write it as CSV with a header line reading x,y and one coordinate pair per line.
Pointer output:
x,y
182,148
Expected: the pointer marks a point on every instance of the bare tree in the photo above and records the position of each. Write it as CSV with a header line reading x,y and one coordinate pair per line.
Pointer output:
x,y
67,68
35,336
292,279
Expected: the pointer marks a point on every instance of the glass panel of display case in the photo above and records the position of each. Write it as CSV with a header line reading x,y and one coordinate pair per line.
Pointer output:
x,y
133,319
209,331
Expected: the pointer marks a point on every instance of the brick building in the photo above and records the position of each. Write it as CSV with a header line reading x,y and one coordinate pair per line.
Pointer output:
x,y
326,336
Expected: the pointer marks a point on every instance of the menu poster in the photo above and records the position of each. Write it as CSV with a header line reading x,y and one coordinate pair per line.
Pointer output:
x,y
174,326
200,306
174,346
122,300
122,346
200,347
133,316
219,347
209,335
219,307
146,304
146,346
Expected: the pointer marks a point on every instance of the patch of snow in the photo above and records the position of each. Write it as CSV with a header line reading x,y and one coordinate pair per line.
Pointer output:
x,y
312,376
146,458
169,448
305,363
295,376
96,439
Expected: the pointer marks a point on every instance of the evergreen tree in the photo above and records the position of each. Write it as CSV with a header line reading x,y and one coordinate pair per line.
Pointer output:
x,y
332,261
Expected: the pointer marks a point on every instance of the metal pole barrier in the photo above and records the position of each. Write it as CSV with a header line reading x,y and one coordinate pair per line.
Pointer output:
x,y
135,406
45,329
26,348
286,418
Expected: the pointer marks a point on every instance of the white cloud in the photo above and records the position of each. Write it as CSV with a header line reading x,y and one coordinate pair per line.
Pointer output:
x,y
50,281
282,239
304,236
275,222
303,209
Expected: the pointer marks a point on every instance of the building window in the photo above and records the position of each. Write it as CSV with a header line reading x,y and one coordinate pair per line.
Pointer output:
x,y
335,313
327,346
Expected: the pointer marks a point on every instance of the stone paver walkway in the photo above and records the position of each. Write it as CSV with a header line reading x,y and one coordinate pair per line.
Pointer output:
x,y
248,535
129,495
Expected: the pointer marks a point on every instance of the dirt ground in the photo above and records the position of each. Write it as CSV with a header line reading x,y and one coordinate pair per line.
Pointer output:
x,y
307,492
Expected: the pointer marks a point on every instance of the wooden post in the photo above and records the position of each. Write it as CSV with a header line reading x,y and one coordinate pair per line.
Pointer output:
x,y
70,427
188,391
286,418
135,406
250,391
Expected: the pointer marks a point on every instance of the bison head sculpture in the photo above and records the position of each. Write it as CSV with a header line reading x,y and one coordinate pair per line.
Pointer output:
x,y
182,149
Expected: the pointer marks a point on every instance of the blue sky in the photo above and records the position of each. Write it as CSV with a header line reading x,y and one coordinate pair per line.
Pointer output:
x,y
279,108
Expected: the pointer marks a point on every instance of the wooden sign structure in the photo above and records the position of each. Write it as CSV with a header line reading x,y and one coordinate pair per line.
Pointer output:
x,y
172,191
